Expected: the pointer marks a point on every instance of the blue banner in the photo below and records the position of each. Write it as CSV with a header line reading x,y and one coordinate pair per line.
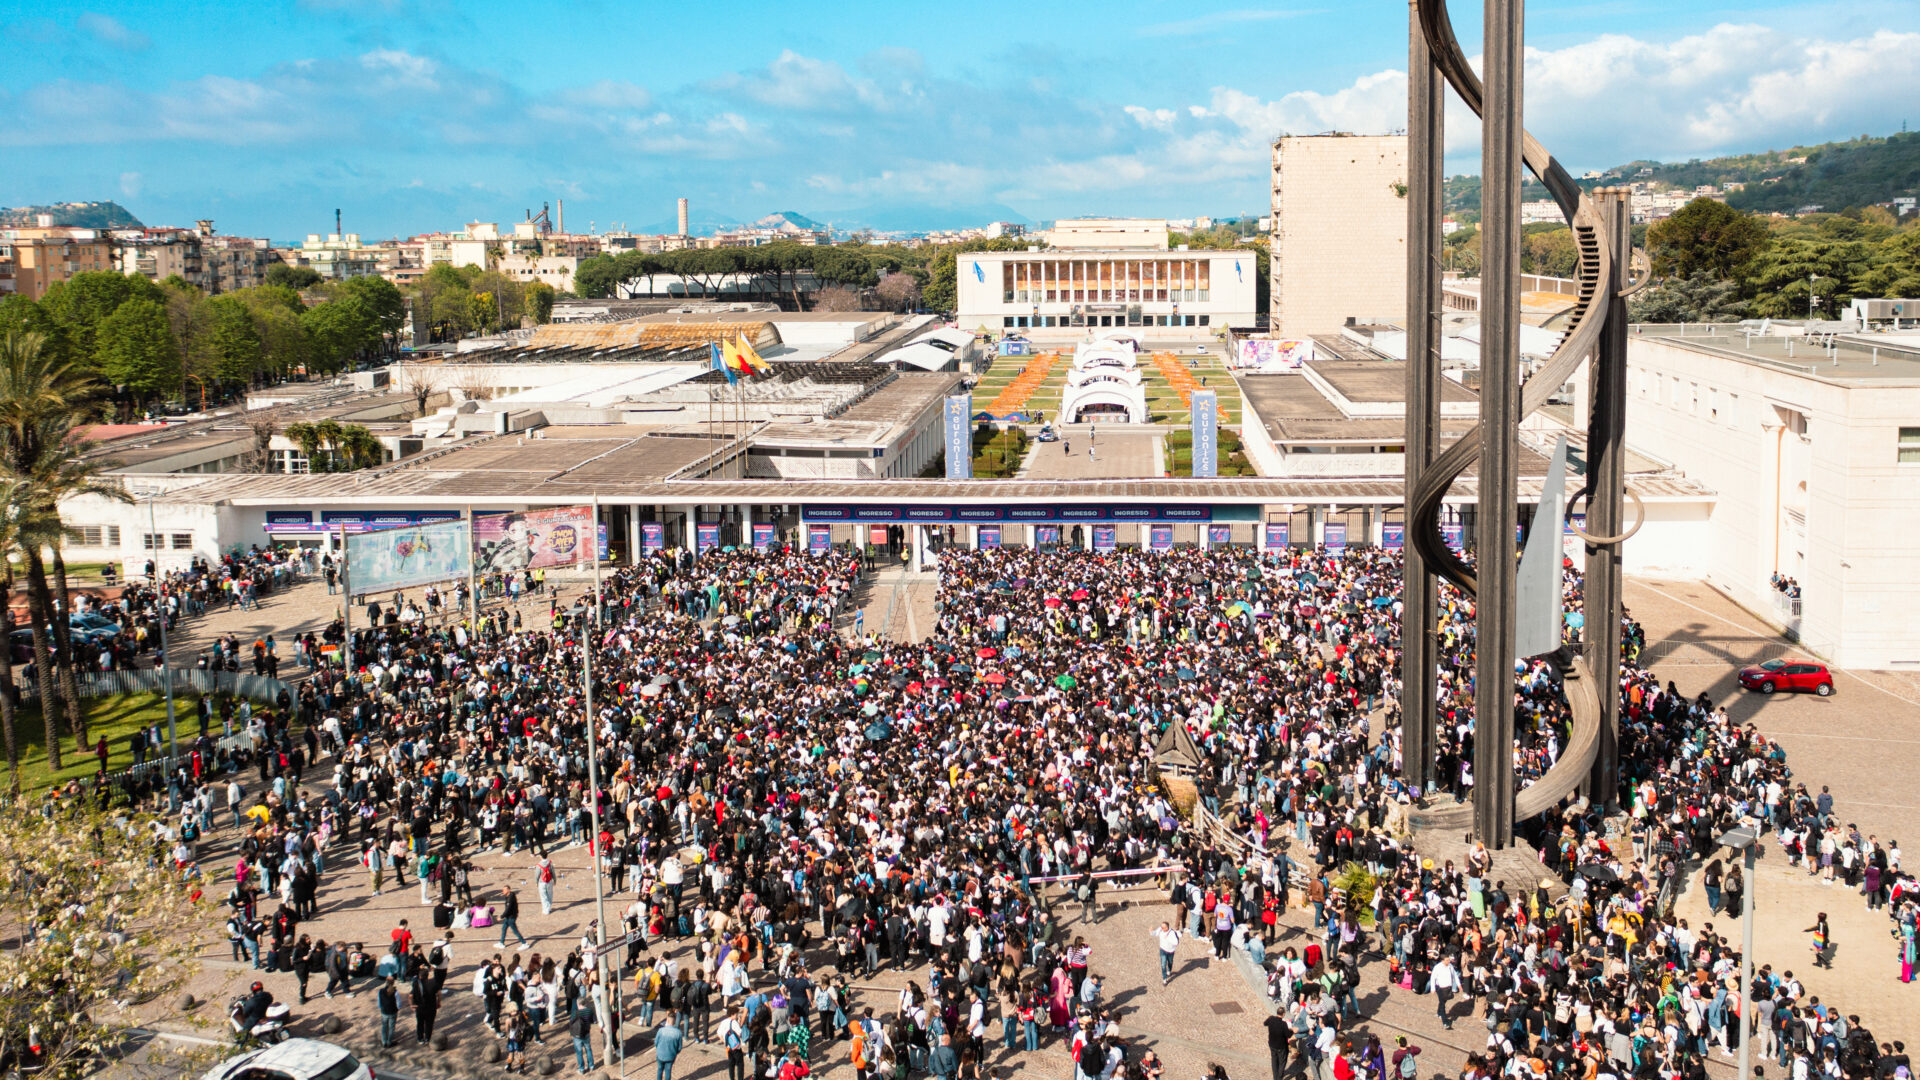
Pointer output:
x,y
819,539
705,538
354,521
1036,514
1276,536
1103,538
1455,536
989,537
412,555
1046,535
762,537
1219,534
1160,537
959,433
1393,537
1206,433
1335,537
653,536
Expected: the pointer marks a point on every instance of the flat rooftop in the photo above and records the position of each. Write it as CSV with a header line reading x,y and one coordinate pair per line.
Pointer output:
x,y
1381,382
1855,360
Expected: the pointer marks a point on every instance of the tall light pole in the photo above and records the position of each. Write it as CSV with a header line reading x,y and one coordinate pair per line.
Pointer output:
x,y
1811,278
166,662
1745,839
593,791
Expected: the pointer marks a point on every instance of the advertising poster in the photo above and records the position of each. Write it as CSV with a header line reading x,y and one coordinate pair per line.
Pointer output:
x,y
705,538
957,414
1206,433
531,540
762,537
1336,537
1046,535
653,536
989,537
1103,538
1219,535
1393,537
1276,536
877,535
819,538
1454,535
1570,543
401,558
1160,537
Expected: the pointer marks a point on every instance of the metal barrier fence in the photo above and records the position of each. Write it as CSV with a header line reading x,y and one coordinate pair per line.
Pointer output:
x,y
134,681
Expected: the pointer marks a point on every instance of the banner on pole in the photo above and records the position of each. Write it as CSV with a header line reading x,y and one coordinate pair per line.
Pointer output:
x,y
762,537
989,536
705,538
1218,535
1160,537
1335,537
958,413
532,539
404,557
1393,537
1206,433
1046,535
819,538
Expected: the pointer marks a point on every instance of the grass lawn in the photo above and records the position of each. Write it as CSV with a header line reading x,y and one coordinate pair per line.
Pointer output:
x,y
1231,460
115,717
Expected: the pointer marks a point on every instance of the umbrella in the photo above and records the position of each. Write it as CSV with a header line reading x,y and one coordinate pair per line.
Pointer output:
x,y
1052,601
869,709
1196,579
650,690
878,730
730,620
1078,594
938,683
913,687
985,653
1065,682
1013,652
995,678
1576,619
871,656
1382,601
961,669
1185,673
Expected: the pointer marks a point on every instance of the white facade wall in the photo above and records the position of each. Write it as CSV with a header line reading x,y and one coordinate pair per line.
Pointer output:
x,y
1339,242
1809,484
1189,294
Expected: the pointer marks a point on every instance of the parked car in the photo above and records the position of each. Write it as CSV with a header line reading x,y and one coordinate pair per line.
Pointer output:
x,y
92,622
1788,674
295,1059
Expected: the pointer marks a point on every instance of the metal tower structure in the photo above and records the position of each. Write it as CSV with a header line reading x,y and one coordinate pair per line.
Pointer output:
x,y
1596,331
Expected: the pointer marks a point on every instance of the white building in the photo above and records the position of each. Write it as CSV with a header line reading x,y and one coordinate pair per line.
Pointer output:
x,y
1814,454
1071,291
1104,382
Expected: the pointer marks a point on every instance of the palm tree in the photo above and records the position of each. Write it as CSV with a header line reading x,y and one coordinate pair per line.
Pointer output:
x,y
42,399
307,438
61,475
7,531
330,433
361,448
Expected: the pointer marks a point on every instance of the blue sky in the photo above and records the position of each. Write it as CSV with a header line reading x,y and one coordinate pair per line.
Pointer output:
x,y
414,115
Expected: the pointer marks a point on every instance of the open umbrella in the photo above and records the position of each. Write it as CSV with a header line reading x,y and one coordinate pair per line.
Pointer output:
x,y
1065,682
939,683
995,678
878,730
650,690
1078,594
1013,652
871,656
1185,673
985,653
1052,601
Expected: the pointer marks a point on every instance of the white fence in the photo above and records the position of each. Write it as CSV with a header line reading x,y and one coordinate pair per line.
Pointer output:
x,y
128,681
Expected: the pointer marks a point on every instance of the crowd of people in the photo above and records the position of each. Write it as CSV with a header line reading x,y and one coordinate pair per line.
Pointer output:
x,y
783,808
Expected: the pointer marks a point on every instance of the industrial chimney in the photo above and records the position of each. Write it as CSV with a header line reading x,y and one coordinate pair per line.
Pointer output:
x,y
337,231
683,217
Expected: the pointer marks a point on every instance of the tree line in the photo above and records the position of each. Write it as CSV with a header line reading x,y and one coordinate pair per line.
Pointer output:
x,y
148,342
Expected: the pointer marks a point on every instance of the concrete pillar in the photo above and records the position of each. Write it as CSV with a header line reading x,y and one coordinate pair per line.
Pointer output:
x,y
1146,538
1032,537
634,554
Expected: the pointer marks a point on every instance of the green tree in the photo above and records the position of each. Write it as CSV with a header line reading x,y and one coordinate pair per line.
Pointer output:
x,y
1699,297
1781,280
381,302
1550,251
1706,236
293,277
82,302
1893,269
599,276
134,348
539,302
338,331
232,349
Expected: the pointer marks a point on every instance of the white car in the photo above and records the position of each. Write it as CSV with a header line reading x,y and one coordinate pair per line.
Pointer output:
x,y
295,1059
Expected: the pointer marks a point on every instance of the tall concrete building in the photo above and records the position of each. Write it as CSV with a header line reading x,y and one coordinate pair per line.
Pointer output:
x,y
1339,242
683,217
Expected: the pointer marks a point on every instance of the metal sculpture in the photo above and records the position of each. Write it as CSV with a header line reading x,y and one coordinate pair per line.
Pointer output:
x,y
1596,329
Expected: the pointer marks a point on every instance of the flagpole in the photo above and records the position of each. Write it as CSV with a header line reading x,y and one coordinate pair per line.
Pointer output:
x,y
593,782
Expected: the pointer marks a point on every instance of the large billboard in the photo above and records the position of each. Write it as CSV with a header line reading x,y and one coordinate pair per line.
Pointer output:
x,y
958,430
534,539
408,556
1206,432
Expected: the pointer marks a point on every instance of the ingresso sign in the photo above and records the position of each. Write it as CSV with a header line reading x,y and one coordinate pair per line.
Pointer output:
x,y
1028,512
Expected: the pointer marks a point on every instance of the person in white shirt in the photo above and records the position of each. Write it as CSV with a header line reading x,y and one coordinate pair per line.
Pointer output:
x,y
1169,940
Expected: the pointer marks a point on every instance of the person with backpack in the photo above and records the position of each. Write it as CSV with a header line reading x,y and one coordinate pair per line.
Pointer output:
x,y
733,1036
1406,1064
1087,891
581,1028
388,1000
543,875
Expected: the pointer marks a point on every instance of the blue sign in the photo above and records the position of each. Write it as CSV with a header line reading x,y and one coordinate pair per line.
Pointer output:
x,y
1219,534
1045,535
819,538
1160,537
355,521
653,536
1103,538
762,537
705,538
1206,433
1336,537
959,432
989,537
1455,536
1026,512
1393,537
1276,536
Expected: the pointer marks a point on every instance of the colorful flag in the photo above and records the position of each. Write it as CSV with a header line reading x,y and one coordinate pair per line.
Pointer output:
x,y
753,359
719,364
735,361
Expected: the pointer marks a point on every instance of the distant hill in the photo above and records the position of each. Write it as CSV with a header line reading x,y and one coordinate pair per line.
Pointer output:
x,y
80,215
787,217
1834,176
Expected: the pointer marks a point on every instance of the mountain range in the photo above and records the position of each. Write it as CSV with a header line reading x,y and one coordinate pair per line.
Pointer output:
x,y
80,215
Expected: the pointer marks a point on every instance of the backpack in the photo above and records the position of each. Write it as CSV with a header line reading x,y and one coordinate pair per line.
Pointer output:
x,y
1409,1067
437,958
546,873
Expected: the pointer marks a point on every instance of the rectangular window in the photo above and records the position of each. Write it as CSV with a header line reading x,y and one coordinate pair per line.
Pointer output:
x,y
149,541
1204,319
1007,321
182,541
1909,445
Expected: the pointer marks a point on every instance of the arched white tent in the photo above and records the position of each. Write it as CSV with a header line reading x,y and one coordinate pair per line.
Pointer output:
x,y
1104,383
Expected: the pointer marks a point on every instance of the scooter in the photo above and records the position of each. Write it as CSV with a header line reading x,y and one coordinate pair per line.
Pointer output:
x,y
272,1027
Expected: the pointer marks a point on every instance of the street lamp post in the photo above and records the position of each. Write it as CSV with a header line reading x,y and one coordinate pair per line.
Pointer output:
x,y
1745,839
166,662
1811,278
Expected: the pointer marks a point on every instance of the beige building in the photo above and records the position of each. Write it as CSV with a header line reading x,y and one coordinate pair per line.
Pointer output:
x,y
1108,233
44,255
1339,242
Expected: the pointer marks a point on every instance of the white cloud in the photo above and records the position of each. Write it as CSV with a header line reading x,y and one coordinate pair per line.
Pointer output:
x,y
803,84
130,184
399,69
111,31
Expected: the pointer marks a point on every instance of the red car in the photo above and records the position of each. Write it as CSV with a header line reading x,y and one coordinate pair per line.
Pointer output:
x,y
1789,674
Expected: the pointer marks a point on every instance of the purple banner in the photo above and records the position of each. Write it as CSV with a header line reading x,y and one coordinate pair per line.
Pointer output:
x,y
1393,537
1103,538
819,538
705,538
1335,537
1219,534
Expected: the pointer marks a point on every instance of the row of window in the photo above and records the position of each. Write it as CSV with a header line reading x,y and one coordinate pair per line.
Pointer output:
x,y
1049,321
159,541
1719,406
108,536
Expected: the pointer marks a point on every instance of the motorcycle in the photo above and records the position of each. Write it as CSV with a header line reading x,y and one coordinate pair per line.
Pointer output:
x,y
271,1028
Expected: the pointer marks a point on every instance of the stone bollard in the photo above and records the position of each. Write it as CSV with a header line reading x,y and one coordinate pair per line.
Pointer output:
x,y
332,1025
440,1041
